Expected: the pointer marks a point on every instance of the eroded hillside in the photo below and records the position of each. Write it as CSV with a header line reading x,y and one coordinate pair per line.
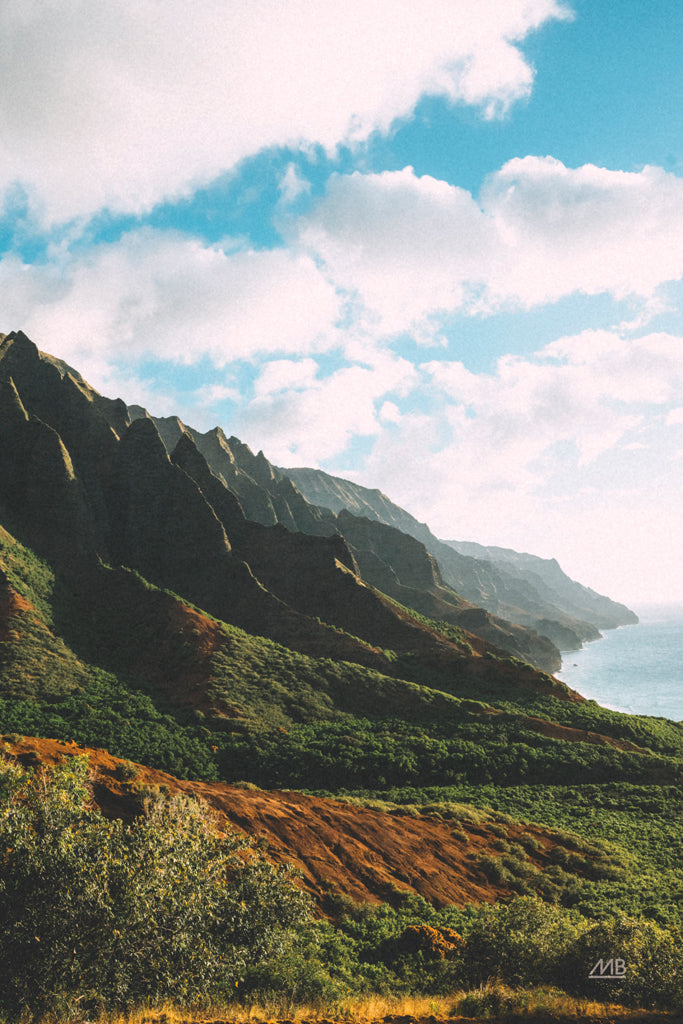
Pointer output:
x,y
448,855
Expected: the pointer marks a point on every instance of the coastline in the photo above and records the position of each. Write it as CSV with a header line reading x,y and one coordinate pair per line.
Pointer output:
x,y
633,669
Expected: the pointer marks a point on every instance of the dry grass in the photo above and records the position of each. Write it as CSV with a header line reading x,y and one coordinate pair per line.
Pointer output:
x,y
489,1003
496,1000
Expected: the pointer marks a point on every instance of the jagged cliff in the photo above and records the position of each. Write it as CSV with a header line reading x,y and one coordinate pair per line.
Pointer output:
x,y
523,588
86,481
386,557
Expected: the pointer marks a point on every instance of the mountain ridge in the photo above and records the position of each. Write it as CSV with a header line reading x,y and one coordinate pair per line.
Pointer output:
x,y
387,558
519,587
118,496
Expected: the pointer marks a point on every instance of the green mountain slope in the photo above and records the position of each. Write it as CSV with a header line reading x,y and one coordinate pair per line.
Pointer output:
x,y
72,658
125,666
154,604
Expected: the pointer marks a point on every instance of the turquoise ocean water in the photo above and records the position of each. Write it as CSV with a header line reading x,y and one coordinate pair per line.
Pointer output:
x,y
638,669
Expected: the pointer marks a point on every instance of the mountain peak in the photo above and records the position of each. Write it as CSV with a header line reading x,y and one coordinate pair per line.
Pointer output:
x,y
142,436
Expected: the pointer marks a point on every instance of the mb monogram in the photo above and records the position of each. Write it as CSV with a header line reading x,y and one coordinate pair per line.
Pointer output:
x,y
613,969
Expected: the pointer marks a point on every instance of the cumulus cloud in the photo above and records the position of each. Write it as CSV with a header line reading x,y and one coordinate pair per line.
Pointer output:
x,y
164,295
563,451
302,417
586,229
413,250
588,392
285,375
121,104
407,247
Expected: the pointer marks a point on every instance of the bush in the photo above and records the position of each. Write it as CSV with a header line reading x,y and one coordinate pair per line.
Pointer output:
x,y
319,969
652,963
127,770
520,943
530,843
98,914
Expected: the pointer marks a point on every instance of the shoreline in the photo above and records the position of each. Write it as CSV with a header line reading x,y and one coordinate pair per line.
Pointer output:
x,y
636,673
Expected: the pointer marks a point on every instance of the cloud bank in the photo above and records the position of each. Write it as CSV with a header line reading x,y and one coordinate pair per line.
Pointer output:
x,y
413,249
307,348
123,104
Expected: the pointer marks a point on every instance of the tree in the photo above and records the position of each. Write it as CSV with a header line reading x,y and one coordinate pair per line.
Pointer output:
x,y
95,912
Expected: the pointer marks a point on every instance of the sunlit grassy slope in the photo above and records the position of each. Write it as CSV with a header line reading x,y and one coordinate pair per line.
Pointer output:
x,y
122,665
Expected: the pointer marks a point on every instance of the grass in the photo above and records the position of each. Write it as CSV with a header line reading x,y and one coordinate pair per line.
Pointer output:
x,y
487,1002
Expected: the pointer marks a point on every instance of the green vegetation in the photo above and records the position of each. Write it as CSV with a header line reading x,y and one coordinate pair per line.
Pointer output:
x,y
95,914
629,837
122,665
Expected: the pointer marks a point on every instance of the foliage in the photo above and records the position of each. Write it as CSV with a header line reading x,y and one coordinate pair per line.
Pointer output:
x,y
391,752
652,962
523,942
128,723
93,912
102,914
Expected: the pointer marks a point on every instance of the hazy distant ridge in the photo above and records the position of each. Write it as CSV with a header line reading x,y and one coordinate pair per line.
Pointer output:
x,y
523,588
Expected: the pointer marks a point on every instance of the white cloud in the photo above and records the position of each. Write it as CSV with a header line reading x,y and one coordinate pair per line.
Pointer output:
x,y
413,249
292,185
390,413
210,395
565,453
284,375
304,427
675,417
163,295
122,104
586,229
589,391
407,246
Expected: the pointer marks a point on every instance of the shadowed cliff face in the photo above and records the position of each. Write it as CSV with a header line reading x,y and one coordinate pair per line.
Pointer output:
x,y
83,482
525,589
387,559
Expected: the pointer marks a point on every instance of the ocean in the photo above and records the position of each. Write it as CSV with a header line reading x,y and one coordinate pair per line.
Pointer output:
x,y
638,669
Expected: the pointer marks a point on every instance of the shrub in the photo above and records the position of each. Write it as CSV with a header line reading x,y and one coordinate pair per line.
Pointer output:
x,y
494,869
652,956
519,943
460,836
127,770
99,914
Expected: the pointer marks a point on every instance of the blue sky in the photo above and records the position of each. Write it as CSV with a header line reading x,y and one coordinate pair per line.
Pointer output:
x,y
434,247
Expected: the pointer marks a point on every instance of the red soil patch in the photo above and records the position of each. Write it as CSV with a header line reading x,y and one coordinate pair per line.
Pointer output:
x,y
188,686
564,732
11,604
176,653
362,853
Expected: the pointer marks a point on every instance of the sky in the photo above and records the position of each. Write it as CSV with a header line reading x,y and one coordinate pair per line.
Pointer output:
x,y
432,246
